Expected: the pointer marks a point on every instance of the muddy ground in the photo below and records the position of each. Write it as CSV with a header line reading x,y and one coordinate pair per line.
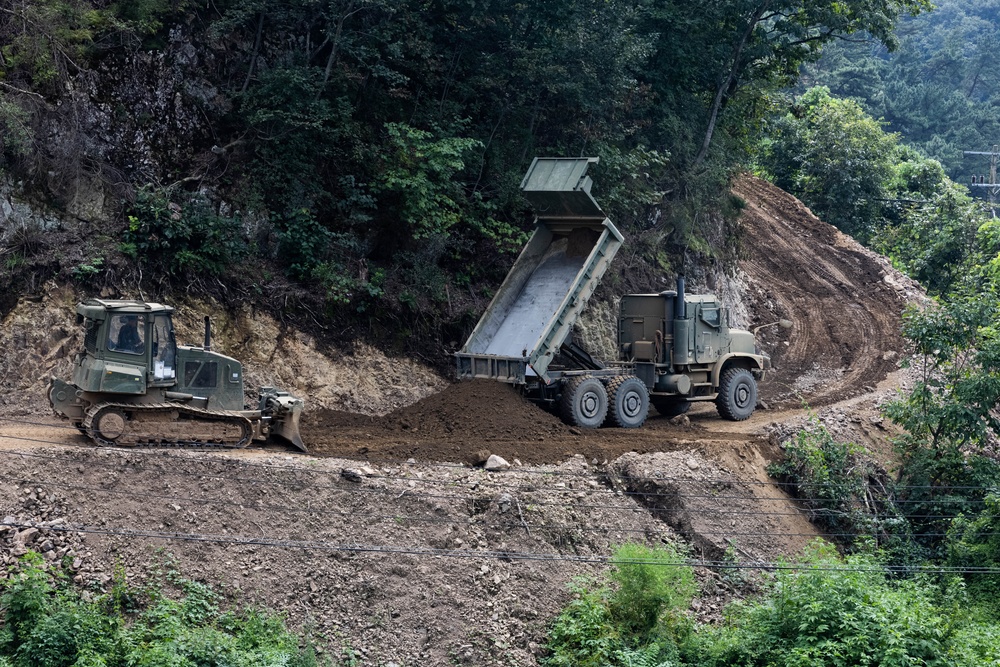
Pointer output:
x,y
392,549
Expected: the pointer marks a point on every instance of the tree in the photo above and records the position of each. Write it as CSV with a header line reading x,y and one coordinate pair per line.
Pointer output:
x,y
949,414
834,157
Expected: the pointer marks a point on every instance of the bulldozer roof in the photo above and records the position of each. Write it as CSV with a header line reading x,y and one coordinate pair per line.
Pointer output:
x,y
96,309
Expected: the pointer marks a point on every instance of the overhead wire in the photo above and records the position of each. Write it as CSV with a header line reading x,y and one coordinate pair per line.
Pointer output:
x,y
320,545
412,493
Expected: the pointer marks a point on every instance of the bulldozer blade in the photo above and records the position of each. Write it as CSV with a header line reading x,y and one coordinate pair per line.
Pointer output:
x,y
287,427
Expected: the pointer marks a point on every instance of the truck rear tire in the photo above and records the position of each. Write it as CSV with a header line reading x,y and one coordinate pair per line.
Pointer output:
x,y
737,395
628,401
584,402
670,407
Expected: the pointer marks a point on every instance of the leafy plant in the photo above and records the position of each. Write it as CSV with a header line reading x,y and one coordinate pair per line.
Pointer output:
x,y
839,483
47,623
181,238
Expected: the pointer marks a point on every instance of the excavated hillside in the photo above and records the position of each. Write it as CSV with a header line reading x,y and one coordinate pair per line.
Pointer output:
x,y
386,543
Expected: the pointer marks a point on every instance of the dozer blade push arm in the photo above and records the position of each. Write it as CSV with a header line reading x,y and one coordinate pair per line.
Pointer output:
x,y
284,411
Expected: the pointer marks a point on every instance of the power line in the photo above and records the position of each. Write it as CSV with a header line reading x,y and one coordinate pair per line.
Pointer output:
x,y
454,497
319,545
256,506
416,494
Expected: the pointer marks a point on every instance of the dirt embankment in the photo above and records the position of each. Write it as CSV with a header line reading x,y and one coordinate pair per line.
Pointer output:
x,y
387,543
845,300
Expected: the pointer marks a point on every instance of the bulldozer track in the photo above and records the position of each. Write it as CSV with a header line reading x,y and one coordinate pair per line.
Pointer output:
x,y
162,425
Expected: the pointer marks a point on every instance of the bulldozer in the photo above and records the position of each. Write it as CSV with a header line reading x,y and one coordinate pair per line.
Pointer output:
x,y
133,385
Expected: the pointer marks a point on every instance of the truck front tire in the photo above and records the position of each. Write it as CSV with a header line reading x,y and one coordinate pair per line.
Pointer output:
x,y
737,397
628,401
584,402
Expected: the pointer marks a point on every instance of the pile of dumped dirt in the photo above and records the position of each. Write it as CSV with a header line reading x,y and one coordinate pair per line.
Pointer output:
x,y
476,409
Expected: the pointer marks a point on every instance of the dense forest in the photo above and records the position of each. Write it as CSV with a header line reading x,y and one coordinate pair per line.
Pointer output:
x,y
370,151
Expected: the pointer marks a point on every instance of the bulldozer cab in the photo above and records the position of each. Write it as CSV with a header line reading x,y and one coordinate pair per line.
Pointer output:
x,y
130,348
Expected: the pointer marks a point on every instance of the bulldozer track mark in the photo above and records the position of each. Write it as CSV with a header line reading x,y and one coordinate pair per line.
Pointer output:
x,y
846,319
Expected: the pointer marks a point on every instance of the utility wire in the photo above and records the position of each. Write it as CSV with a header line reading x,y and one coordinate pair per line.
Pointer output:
x,y
319,545
257,506
480,483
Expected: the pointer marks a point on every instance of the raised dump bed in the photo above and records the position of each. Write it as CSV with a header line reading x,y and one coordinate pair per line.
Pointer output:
x,y
533,312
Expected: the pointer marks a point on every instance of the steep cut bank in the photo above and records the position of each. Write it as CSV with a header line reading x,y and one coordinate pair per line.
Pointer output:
x,y
845,300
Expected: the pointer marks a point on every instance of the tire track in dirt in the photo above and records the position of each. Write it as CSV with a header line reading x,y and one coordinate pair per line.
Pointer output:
x,y
846,335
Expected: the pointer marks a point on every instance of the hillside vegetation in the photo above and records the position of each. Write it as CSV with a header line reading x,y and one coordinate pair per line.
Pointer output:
x,y
370,151
363,157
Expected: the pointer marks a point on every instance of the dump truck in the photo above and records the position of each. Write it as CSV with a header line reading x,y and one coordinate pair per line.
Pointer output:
x,y
133,385
674,348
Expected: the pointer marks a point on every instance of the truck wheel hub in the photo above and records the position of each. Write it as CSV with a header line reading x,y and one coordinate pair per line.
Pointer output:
x,y
590,403
632,404
742,395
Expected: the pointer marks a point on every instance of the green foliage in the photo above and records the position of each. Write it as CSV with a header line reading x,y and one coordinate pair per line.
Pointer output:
x,y
87,269
420,179
46,623
845,612
936,241
17,135
652,586
840,485
974,542
181,239
939,89
949,414
636,622
835,158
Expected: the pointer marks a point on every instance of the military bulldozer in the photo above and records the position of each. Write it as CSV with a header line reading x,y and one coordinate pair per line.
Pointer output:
x,y
674,348
133,385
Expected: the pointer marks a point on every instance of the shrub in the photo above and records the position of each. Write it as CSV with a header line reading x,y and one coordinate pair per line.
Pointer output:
x,y
47,623
188,238
636,622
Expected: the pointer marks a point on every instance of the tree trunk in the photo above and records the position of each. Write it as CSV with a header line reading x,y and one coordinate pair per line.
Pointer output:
x,y
728,81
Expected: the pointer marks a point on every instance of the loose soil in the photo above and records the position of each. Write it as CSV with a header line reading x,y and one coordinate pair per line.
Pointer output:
x,y
385,541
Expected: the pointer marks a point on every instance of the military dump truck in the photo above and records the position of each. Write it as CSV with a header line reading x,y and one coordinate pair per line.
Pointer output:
x,y
133,385
675,348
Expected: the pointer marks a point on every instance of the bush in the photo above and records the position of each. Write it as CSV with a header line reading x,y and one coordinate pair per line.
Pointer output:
x,y
47,623
843,489
847,612
188,238
637,622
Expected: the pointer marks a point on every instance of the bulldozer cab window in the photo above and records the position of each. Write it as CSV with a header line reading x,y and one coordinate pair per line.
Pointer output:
x,y
201,374
164,348
127,333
